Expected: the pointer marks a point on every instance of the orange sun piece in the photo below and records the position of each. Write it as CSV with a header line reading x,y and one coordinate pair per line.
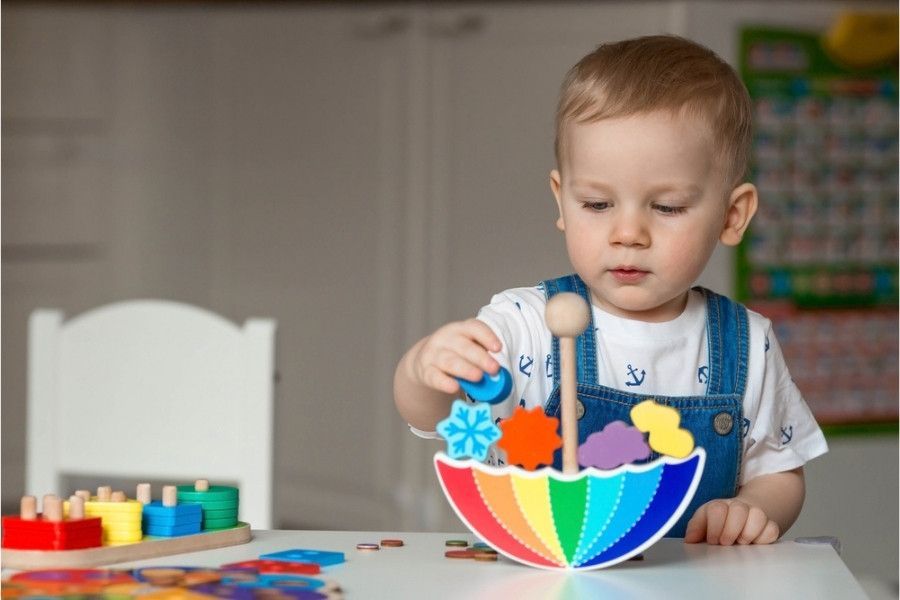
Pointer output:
x,y
529,438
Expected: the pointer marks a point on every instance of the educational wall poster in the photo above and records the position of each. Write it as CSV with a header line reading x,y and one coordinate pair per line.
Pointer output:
x,y
820,258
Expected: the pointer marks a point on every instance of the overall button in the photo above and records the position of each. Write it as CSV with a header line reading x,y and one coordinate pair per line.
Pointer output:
x,y
723,423
579,409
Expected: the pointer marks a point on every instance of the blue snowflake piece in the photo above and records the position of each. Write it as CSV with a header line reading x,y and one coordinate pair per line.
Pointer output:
x,y
469,430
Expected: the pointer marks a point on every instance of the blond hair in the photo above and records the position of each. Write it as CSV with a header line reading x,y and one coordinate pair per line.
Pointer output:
x,y
660,72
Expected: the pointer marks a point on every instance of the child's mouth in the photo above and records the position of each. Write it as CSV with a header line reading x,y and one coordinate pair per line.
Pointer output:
x,y
628,274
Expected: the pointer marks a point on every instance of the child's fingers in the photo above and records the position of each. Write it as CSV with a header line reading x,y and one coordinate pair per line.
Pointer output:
x,y
454,364
475,354
735,521
716,512
438,380
483,334
696,527
769,534
756,522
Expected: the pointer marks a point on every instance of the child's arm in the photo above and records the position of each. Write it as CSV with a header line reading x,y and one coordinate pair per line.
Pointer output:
x,y
765,507
424,382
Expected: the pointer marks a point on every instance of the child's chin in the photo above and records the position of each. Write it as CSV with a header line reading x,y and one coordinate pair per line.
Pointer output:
x,y
639,304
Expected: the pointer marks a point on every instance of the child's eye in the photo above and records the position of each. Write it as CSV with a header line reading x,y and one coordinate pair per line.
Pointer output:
x,y
669,210
596,205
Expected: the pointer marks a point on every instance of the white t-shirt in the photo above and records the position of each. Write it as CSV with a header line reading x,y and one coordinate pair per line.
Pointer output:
x,y
669,358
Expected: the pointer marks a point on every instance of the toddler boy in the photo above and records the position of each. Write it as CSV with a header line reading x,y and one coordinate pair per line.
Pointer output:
x,y
652,144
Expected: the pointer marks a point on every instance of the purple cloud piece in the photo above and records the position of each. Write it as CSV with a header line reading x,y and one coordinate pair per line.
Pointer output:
x,y
617,444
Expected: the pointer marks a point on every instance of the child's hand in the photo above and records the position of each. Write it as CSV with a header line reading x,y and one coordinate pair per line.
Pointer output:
x,y
458,349
726,522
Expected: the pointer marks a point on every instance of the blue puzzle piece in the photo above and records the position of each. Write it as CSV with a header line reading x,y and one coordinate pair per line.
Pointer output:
x,y
279,581
323,558
491,388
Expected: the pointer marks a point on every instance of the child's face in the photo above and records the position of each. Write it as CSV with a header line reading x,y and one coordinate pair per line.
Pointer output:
x,y
642,203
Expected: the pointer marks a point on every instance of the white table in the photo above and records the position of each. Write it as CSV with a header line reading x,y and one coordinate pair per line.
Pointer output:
x,y
670,569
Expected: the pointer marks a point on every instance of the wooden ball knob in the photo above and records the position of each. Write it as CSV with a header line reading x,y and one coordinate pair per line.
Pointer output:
x,y
567,315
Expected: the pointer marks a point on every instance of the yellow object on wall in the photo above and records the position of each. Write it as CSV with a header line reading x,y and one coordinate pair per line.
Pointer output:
x,y
863,40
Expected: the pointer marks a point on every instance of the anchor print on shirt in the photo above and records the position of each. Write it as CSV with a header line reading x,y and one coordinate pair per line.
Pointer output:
x,y
703,374
525,363
548,366
787,434
745,427
635,380
767,343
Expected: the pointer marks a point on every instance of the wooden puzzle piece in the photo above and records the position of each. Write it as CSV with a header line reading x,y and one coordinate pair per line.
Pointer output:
x,y
529,438
70,581
276,566
492,389
616,444
469,430
661,422
323,558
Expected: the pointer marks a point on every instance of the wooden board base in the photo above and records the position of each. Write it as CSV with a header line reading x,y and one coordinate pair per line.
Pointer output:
x,y
150,547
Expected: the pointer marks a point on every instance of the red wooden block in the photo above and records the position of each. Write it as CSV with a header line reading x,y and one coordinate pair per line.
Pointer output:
x,y
39,534
263,566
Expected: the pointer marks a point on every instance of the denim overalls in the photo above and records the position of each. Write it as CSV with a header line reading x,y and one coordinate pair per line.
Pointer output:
x,y
714,419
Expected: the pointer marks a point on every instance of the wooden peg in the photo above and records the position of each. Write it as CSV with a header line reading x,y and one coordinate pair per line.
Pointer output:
x,y
52,508
169,495
103,493
83,494
76,507
201,485
143,493
28,508
568,315
118,496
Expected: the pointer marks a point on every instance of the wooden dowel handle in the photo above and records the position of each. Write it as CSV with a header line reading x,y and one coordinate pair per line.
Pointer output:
x,y
567,315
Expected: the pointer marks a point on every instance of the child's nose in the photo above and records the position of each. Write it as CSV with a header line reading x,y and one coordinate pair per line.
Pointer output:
x,y
630,230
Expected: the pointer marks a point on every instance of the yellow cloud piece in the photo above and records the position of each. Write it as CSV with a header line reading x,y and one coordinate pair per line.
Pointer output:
x,y
662,424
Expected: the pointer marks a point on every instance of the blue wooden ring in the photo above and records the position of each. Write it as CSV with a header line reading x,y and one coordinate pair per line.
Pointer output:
x,y
492,389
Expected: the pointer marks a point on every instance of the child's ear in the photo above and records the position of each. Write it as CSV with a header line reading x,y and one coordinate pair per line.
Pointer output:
x,y
741,208
555,186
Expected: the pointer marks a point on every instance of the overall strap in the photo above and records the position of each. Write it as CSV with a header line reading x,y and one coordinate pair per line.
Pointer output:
x,y
728,338
585,344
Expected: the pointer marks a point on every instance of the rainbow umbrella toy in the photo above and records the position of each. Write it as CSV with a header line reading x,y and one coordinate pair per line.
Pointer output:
x,y
571,519
587,520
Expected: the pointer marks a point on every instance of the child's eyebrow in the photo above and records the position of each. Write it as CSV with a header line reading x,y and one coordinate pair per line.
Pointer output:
x,y
586,184
689,189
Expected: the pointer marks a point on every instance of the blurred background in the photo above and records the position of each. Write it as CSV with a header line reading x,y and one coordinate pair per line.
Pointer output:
x,y
360,172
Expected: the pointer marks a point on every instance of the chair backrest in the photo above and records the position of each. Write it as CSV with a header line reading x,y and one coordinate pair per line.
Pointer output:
x,y
155,390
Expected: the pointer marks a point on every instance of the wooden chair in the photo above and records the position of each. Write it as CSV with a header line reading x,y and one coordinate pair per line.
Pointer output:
x,y
156,390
